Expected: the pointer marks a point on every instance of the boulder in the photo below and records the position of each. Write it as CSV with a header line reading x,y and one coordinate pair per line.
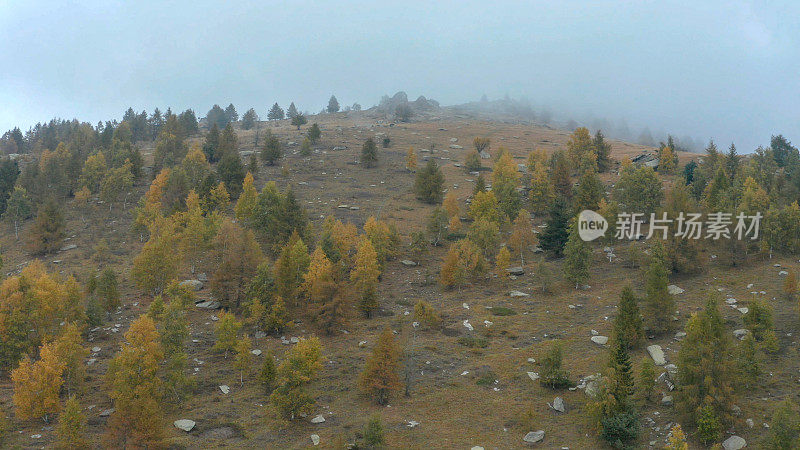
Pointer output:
x,y
256,352
319,418
194,285
518,271
600,340
225,389
485,155
740,333
467,325
657,354
315,439
518,294
534,437
68,247
743,309
408,263
184,424
533,376
106,412
734,443
209,304
558,405
674,290
666,400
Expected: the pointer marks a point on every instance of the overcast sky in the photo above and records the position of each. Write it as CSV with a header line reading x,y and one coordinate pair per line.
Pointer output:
x,y
726,69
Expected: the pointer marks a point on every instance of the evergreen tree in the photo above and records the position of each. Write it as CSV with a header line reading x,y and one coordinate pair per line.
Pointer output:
x,y
314,133
249,119
588,192
275,113
758,321
272,150
231,172
429,182
268,373
333,105
785,428
231,114
211,144
628,323
603,151
290,267
659,305
369,153
292,112
555,235
380,377
299,120
578,255
618,419
748,361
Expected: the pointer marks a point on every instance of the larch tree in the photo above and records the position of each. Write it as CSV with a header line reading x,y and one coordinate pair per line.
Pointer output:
x,y
628,323
47,233
135,388
464,262
248,201
450,204
541,193
579,143
522,236
588,192
502,261
364,277
174,331
578,255
237,256
658,304
157,263
243,359
380,378
71,427
72,354
289,269
37,385
618,421
505,180
226,331
411,160
299,368
369,153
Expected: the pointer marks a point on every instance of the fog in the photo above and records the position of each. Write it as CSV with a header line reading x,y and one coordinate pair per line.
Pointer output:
x,y
723,70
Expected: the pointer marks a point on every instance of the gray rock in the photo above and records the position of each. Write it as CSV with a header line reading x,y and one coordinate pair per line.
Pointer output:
x,y
743,310
184,424
558,404
750,423
485,155
256,352
408,263
600,340
209,304
734,443
68,247
740,333
319,418
456,147
315,439
518,294
657,354
666,400
680,335
518,271
106,412
674,290
225,389
534,437
533,376
95,349
202,277
194,285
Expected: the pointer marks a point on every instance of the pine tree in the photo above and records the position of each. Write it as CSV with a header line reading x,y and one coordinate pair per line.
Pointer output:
x,y
226,331
249,119
275,113
333,105
71,428
706,372
628,323
299,120
298,369
272,150
555,235
659,305
380,377
578,255
369,153
291,112
268,373
365,277
480,185
230,171
603,151
618,420
231,114
560,174
748,361
137,419
429,182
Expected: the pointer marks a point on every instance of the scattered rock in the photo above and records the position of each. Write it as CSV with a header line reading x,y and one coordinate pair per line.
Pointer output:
x,y
467,325
194,285
184,424
68,247
95,349
318,419
534,437
740,333
256,352
750,423
315,439
680,335
209,304
533,376
666,400
408,263
558,405
412,424
783,272
518,271
518,294
743,310
734,443
455,147
674,290
106,412
225,389
600,340
657,354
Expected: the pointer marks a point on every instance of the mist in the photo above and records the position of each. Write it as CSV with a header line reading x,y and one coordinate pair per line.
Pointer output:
x,y
721,70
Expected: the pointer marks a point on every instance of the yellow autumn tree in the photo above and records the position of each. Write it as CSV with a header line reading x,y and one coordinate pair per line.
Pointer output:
x,y
384,239
71,428
135,388
248,201
380,377
365,277
537,159
218,199
522,235
450,204
68,349
299,368
502,261
157,262
541,193
290,268
463,262
485,206
37,385
236,258
411,160
318,282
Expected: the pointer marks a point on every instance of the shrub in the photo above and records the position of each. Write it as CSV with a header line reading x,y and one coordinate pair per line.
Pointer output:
x,y
373,432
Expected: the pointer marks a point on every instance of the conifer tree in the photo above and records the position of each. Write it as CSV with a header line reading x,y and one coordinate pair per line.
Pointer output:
x,y
248,202
333,105
383,237
272,150
211,144
72,354
237,256
157,263
71,428
319,285
603,151
47,233
37,385
463,262
226,331
480,185
485,206
759,322
579,143
541,190
588,192
314,133
555,235
647,377
369,153
230,171
174,333
784,428
290,267
276,112
380,377
659,305
411,160
268,373
429,182
790,285
135,386
291,111
628,323
578,254
299,368
553,375
748,361
676,439
472,162
364,276
505,180
706,372
299,120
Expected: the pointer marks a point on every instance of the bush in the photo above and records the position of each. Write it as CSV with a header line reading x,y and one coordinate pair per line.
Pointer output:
x,y
429,182
620,429
473,161
553,375
709,427
473,342
373,432
426,315
386,142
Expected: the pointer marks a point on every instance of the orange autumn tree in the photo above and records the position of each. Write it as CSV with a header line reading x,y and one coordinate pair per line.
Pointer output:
x,y
365,277
37,385
137,420
380,377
